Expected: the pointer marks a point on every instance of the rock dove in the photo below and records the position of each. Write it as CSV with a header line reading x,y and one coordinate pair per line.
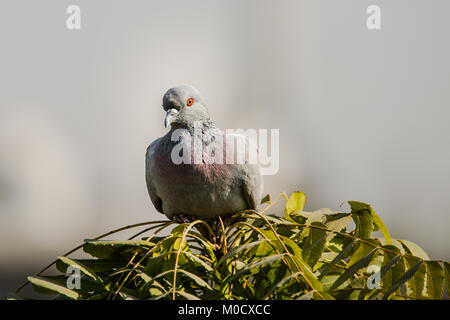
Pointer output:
x,y
206,184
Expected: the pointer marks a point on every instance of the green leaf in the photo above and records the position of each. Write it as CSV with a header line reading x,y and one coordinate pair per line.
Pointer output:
x,y
87,284
435,279
258,263
281,283
97,265
204,243
263,249
266,199
108,249
234,251
187,295
342,255
402,280
380,224
296,202
337,225
416,284
362,250
49,287
447,277
362,215
314,244
63,263
296,251
315,216
199,281
151,287
414,249
385,272
197,260
364,262
398,245
396,271
364,225
329,279
308,276
311,279
178,230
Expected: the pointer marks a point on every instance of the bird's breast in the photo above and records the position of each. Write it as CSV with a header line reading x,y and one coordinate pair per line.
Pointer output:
x,y
190,173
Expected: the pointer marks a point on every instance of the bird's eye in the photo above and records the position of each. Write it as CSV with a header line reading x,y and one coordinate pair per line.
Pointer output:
x,y
190,102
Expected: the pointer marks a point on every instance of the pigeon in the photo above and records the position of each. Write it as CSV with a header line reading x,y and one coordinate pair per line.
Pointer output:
x,y
196,170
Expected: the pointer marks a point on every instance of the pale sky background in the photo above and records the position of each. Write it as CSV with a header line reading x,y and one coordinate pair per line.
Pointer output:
x,y
363,115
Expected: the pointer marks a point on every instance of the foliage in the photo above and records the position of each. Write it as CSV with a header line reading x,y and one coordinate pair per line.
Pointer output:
x,y
254,255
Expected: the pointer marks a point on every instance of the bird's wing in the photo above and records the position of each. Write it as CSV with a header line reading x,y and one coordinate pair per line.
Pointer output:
x,y
251,177
250,195
149,164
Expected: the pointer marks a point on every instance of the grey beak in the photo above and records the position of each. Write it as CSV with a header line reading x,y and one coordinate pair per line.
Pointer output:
x,y
171,113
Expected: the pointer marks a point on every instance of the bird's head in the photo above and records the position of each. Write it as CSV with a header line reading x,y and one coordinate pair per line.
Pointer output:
x,y
184,105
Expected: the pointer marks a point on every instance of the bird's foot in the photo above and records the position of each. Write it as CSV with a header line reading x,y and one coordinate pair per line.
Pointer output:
x,y
181,218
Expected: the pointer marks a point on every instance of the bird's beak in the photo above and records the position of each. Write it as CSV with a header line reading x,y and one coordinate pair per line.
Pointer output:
x,y
171,113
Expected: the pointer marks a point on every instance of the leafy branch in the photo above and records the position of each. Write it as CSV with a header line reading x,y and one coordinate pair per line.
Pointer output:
x,y
253,255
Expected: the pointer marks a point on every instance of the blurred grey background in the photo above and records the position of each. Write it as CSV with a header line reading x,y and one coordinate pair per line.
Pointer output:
x,y
363,115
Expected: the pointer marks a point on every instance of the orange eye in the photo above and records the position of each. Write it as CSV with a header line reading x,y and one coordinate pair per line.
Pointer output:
x,y
190,102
